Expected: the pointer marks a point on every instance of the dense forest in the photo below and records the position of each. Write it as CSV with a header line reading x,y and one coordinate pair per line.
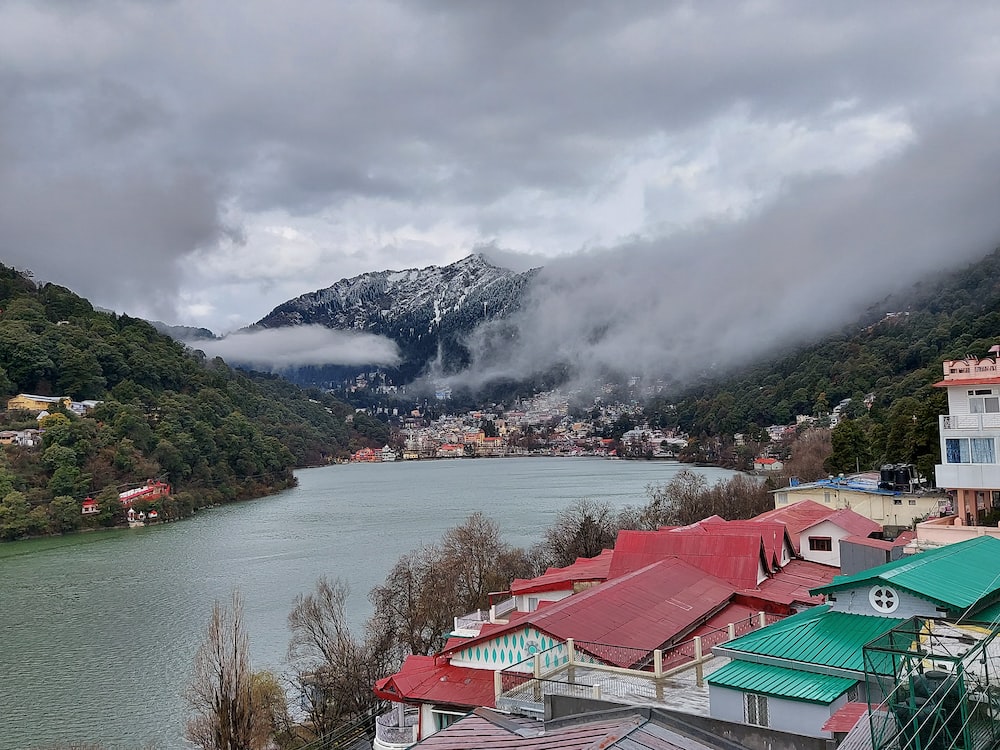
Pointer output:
x,y
214,433
892,355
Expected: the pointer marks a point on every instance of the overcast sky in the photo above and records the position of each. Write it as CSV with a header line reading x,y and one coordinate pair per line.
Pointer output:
x,y
201,162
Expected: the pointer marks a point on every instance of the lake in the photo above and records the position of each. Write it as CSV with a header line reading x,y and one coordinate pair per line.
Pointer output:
x,y
99,630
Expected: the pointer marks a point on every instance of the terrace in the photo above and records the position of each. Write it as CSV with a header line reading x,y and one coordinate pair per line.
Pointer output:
x,y
673,678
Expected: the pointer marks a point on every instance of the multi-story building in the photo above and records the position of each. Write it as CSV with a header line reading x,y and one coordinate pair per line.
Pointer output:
x,y
969,469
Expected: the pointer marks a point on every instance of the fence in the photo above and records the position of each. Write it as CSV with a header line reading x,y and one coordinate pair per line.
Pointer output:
x,y
635,673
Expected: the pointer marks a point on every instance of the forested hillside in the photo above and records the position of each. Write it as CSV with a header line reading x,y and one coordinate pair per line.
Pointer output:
x,y
894,352
214,433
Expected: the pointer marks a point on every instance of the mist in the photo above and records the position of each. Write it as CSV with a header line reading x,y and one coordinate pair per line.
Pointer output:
x,y
276,349
722,294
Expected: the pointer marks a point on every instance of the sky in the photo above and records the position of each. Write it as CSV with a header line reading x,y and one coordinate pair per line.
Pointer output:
x,y
700,180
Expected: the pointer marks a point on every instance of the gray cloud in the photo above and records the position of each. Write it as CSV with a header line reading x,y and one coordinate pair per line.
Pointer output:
x,y
152,154
717,297
277,350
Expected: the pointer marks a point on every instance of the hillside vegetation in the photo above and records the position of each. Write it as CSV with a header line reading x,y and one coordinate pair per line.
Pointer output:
x,y
214,433
893,354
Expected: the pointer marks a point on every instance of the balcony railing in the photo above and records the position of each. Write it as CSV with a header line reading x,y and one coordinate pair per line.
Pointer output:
x,y
971,422
395,731
596,670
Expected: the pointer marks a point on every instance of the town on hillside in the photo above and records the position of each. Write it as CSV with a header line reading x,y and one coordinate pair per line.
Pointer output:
x,y
859,612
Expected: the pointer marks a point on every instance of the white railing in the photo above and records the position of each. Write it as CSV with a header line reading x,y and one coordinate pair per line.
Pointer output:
x,y
501,609
393,730
973,422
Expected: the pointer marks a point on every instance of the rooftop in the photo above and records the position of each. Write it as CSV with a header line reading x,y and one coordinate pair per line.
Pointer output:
x,y
817,636
957,576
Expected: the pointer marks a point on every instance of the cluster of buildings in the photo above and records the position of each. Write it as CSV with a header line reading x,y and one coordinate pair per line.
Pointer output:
x,y
817,624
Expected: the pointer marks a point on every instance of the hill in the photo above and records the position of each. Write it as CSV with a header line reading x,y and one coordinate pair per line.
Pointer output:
x,y
214,433
885,363
426,311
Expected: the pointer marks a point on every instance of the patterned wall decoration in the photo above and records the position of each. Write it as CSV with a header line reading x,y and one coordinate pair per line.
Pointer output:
x,y
513,648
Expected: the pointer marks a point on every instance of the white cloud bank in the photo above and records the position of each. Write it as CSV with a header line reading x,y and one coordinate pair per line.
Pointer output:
x,y
279,349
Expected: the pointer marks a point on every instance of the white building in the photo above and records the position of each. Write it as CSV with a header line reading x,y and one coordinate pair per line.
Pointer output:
x,y
969,468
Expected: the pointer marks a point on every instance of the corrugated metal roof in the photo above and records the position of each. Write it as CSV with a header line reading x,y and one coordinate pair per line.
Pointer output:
x,y
796,516
485,730
957,576
852,522
642,610
846,717
736,559
792,584
557,579
781,682
773,534
434,680
816,636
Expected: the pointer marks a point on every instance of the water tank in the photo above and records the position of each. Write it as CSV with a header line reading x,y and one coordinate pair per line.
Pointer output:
x,y
903,477
887,474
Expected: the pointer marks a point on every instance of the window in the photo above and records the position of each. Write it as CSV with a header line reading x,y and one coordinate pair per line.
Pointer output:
x,y
983,402
970,451
782,498
821,544
826,498
755,709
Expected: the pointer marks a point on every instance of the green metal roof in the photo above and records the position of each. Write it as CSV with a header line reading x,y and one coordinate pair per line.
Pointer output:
x,y
956,576
816,636
781,682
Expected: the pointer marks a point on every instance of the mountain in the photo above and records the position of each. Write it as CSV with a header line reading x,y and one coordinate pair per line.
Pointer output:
x,y
428,312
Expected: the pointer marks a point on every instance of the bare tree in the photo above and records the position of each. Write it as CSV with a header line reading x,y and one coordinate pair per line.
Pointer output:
x,y
688,498
334,670
230,713
583,529
807,454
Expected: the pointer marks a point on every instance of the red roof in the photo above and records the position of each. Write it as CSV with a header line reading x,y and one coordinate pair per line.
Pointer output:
x,y
773,534
433,680
846,717
557,579
800,516
900,541
968,381
643,609
765,460
792,583
475,731
852,522
734,558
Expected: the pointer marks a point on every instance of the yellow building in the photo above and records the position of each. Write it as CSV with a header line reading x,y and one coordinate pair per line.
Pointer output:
x,y
863,496
29,402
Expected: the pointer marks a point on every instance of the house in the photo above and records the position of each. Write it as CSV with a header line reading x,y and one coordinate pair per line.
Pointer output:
x,y
767,464
387,453
800,673
89,507
152,490
450,450
33,403
366,455
646,607
816,530
862,494
969,468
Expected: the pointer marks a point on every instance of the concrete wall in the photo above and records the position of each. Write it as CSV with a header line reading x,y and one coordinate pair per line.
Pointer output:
x,y
856,602
822,529
796,717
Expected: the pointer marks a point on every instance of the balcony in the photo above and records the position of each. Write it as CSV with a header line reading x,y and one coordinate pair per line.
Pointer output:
x,y
967,476
672,678
397,729
970,422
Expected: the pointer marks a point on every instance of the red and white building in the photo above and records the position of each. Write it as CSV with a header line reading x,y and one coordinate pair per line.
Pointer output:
x,y
150,491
